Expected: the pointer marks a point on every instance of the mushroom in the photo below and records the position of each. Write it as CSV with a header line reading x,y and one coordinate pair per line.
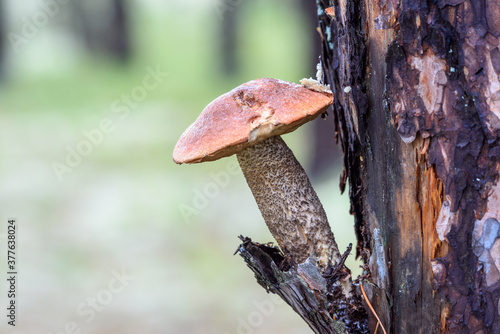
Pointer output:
x,y
248,121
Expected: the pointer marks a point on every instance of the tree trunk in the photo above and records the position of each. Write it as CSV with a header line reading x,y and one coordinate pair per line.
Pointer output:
x,y
417,114
416,109
118,34
104,26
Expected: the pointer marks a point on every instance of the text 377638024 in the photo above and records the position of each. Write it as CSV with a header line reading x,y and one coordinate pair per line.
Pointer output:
x,y
11,271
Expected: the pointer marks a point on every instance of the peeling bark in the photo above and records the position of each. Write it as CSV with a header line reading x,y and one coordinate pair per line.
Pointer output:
x,y
417,113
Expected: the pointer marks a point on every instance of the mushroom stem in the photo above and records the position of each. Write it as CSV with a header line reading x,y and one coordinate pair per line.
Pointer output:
x,y
287,201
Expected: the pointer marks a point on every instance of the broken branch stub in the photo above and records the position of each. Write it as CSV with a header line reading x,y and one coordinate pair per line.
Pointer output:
x,y
317,298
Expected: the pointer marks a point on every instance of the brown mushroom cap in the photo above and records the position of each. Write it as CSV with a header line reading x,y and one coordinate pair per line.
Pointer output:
x,y
246,115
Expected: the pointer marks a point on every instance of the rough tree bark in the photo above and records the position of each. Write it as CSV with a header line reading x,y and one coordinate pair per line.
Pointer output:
x,y
417,114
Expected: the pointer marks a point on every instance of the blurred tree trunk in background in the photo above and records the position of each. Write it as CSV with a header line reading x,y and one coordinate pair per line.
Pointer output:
x,y
229,35
82,23
118,31
416,86
104,27
326,152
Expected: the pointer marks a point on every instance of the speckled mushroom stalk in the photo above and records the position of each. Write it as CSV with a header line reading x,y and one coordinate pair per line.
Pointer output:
x,y
287,201
248,121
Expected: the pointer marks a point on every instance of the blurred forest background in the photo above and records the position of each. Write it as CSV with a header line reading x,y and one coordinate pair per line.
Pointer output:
x,y
113,236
